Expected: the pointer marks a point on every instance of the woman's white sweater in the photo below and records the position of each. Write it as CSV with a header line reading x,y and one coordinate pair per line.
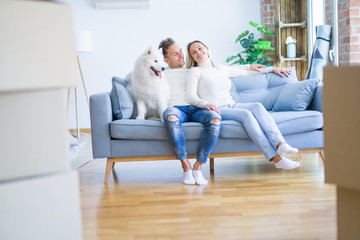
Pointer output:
x,y
210,84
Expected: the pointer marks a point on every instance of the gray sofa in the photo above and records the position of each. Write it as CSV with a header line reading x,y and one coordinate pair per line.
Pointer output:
x,y
296,107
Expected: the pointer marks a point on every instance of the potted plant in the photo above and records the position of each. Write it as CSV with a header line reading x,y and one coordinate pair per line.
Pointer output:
x,y
253,47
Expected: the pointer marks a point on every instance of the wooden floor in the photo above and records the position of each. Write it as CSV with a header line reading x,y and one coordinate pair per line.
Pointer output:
x,y
247,198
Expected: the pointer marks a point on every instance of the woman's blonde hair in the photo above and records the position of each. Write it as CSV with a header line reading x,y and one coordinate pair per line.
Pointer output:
x,y
190,62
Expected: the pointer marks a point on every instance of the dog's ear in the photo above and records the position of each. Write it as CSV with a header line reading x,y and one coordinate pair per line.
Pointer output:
x,y
149,50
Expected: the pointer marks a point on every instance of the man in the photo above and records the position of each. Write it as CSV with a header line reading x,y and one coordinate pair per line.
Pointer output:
x,y
180,112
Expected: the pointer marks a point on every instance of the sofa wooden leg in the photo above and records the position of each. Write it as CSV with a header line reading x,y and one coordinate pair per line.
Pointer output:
x,y
113,165
211,164
109,166
322,154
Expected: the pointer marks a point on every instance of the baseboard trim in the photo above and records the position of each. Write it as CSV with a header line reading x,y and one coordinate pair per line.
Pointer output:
x,y
82,130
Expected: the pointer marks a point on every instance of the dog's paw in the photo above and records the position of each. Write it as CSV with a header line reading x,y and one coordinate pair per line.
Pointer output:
x,y
140,118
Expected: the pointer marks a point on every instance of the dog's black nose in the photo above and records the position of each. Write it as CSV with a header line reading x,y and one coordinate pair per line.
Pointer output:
x,y
162,69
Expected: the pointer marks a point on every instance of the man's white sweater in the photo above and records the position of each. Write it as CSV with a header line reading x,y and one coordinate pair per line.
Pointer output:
x,y
177,82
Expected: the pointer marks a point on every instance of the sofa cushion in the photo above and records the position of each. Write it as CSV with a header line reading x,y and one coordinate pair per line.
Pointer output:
x,y
287,122
150,130
296,96
121,100
118,80
263,88
298,121
138,129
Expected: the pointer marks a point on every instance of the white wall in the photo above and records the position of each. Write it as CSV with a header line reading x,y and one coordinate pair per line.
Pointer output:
x,y
121,35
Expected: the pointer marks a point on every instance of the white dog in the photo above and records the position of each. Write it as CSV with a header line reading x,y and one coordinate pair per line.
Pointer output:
x,y
148,84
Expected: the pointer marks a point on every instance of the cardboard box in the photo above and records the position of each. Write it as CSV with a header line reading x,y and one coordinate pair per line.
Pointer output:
x,y
36,45
33,138
41,208
348,214
341,107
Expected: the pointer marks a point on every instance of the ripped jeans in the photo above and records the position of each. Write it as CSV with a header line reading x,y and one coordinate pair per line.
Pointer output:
x,y
176,134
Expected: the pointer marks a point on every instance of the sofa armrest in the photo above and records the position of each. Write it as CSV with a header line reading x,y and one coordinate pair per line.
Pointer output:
x,y
316,103
100,118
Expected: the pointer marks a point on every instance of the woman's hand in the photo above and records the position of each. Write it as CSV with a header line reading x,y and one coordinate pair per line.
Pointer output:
x,y
279,71
212,107
257,67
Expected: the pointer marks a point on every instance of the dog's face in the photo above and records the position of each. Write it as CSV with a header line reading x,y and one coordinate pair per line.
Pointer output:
x,y
154,60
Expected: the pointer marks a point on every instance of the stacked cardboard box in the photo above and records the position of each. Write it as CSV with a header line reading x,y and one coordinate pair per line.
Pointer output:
x,y
342,145
38,191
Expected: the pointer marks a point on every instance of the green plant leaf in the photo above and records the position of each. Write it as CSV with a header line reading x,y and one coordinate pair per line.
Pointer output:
x,y
265,31
269,32
230,58
245,43
254,24
264,45
244,34
261,61
239,61
260,29
251,37
264,55
253,47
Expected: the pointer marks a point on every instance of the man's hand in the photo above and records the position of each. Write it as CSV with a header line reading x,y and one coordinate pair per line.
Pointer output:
x,y
212,107
279,71
256,67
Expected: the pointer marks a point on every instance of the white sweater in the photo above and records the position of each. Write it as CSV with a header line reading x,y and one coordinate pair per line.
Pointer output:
x,y
208,84
177,82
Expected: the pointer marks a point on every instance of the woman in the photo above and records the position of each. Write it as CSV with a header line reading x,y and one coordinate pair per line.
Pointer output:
x,y
182,112
208,86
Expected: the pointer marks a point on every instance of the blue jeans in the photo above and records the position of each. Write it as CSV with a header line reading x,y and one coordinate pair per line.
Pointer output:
x,y
176,134
258,123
